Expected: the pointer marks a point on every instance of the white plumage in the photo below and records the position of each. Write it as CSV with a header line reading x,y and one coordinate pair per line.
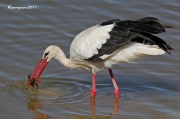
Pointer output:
x,y
87,42
132,52
106,44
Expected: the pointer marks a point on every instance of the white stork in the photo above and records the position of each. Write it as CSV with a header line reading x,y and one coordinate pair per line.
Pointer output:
x,y
106,44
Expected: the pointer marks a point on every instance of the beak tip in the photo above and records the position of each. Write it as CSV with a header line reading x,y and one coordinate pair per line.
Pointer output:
x,y
31,81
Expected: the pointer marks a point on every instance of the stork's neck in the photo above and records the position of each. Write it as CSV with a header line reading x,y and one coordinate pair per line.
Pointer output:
x,y
60,56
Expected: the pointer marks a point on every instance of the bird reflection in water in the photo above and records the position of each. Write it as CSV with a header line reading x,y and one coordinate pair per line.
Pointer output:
x,y
34,104
93,111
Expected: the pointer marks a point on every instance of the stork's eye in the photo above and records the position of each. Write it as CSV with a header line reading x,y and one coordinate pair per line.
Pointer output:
x,y
47,53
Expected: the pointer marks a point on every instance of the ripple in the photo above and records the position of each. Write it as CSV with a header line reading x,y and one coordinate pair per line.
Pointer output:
x,y
65,91
51,92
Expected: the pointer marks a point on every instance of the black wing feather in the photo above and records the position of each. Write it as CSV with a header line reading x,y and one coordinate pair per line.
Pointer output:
x,y
132,31
110,22
158,41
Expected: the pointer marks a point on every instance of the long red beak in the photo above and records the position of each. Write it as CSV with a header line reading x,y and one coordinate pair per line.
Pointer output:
x,y
39,69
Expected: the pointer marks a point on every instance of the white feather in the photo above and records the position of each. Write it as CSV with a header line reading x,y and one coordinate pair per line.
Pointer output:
x,y
86,43
131,52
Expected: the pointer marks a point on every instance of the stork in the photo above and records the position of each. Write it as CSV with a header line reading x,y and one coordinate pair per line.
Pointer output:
x,y
108,43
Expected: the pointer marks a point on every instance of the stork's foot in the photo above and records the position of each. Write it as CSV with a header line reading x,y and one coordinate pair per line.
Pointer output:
x,y
93,94
116,93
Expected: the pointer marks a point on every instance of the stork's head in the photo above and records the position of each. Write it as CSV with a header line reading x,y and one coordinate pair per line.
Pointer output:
x,y
49,54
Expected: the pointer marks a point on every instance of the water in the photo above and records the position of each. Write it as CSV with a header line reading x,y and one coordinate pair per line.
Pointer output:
x,y
149,89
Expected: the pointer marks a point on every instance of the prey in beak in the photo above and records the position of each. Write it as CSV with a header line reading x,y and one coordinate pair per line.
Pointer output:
x,y
32,82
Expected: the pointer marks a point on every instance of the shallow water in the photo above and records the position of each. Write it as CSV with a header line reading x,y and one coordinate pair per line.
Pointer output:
x,y
149,89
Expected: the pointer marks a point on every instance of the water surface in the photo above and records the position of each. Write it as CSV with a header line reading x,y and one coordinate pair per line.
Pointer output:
x,y
149,89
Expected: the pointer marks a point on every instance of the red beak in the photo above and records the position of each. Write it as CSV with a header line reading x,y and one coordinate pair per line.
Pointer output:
x,y
39,69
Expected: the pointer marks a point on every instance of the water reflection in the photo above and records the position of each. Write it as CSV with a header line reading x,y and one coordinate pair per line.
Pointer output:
x,y
34,104
93,111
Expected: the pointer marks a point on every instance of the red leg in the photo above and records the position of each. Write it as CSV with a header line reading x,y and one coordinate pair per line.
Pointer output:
x,y
93,92
116,106
93,107
116,89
